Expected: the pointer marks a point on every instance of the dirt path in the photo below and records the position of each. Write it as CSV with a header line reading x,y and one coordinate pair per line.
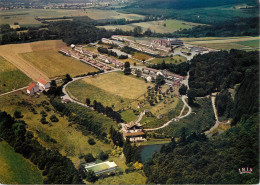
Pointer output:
x,y
13,91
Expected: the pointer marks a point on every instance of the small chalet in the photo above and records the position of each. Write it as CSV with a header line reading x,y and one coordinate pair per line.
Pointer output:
x,y
33,88
134,132
43,85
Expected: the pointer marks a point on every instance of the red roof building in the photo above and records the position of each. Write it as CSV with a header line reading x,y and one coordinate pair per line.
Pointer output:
x,y
33,88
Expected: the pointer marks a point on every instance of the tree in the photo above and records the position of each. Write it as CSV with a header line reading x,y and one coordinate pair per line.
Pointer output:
x,y
138,31
91,141
127,70
88,101
91,176
159,80
103,156
18,114
89,158
183,90
53,118
191,96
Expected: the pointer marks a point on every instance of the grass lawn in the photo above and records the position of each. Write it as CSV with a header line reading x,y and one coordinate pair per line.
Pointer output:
x,y
11,77
130,178
110,89
129,115
141,56
176,59
54,64
252,43
15,169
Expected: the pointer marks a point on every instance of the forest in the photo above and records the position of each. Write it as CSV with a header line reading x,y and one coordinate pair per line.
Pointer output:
x,y
217,159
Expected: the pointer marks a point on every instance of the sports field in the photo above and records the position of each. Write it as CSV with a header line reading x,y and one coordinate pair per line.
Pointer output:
x,y
113,89
162,26
42,60
11,77
15,169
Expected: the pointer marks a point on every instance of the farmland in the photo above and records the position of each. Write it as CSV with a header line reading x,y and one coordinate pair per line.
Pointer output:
x,y
41,59
11,77
109,89
226,43
15,169
162,26
26,17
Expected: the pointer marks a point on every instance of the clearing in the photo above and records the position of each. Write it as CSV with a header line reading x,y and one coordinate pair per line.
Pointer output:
x,y
15,169
176,59
11,77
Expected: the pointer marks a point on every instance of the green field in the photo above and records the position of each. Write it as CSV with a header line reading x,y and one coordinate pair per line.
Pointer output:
x,y
10,77
162,26
113,89
14,169
99,167
252,43
176,59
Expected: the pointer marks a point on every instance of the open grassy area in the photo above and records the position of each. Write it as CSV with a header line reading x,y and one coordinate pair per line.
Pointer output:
x,y
252,43
162,26
70,140
112,89
129,115
15,169
130,178
10,77
176,59
141,56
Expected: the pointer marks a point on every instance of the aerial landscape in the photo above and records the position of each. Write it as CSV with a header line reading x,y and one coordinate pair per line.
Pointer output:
x,y
129,92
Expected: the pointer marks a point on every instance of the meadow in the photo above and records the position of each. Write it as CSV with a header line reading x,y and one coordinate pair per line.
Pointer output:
x,y
69,139
11,77
161,26
113,89
176,59
15,169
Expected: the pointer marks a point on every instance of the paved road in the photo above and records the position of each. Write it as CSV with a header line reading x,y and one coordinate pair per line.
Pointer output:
x,y
178,117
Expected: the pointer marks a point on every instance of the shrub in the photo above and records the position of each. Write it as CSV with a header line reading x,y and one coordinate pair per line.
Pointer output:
x,y
53,118
44,114
43,120
18,114
89,158
91,141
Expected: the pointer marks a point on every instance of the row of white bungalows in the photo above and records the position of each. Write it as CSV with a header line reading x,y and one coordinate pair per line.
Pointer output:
x,y
41,85
150,71
171,76
116,37
111,61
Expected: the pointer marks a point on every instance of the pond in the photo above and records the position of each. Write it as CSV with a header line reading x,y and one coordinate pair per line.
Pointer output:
x,y
147,151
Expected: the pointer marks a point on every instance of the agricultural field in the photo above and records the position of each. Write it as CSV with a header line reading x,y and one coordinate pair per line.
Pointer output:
x,y
61,136
10,77
26,17
162,26
113,89
141,56
176,59
242,43
15,169
42,60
